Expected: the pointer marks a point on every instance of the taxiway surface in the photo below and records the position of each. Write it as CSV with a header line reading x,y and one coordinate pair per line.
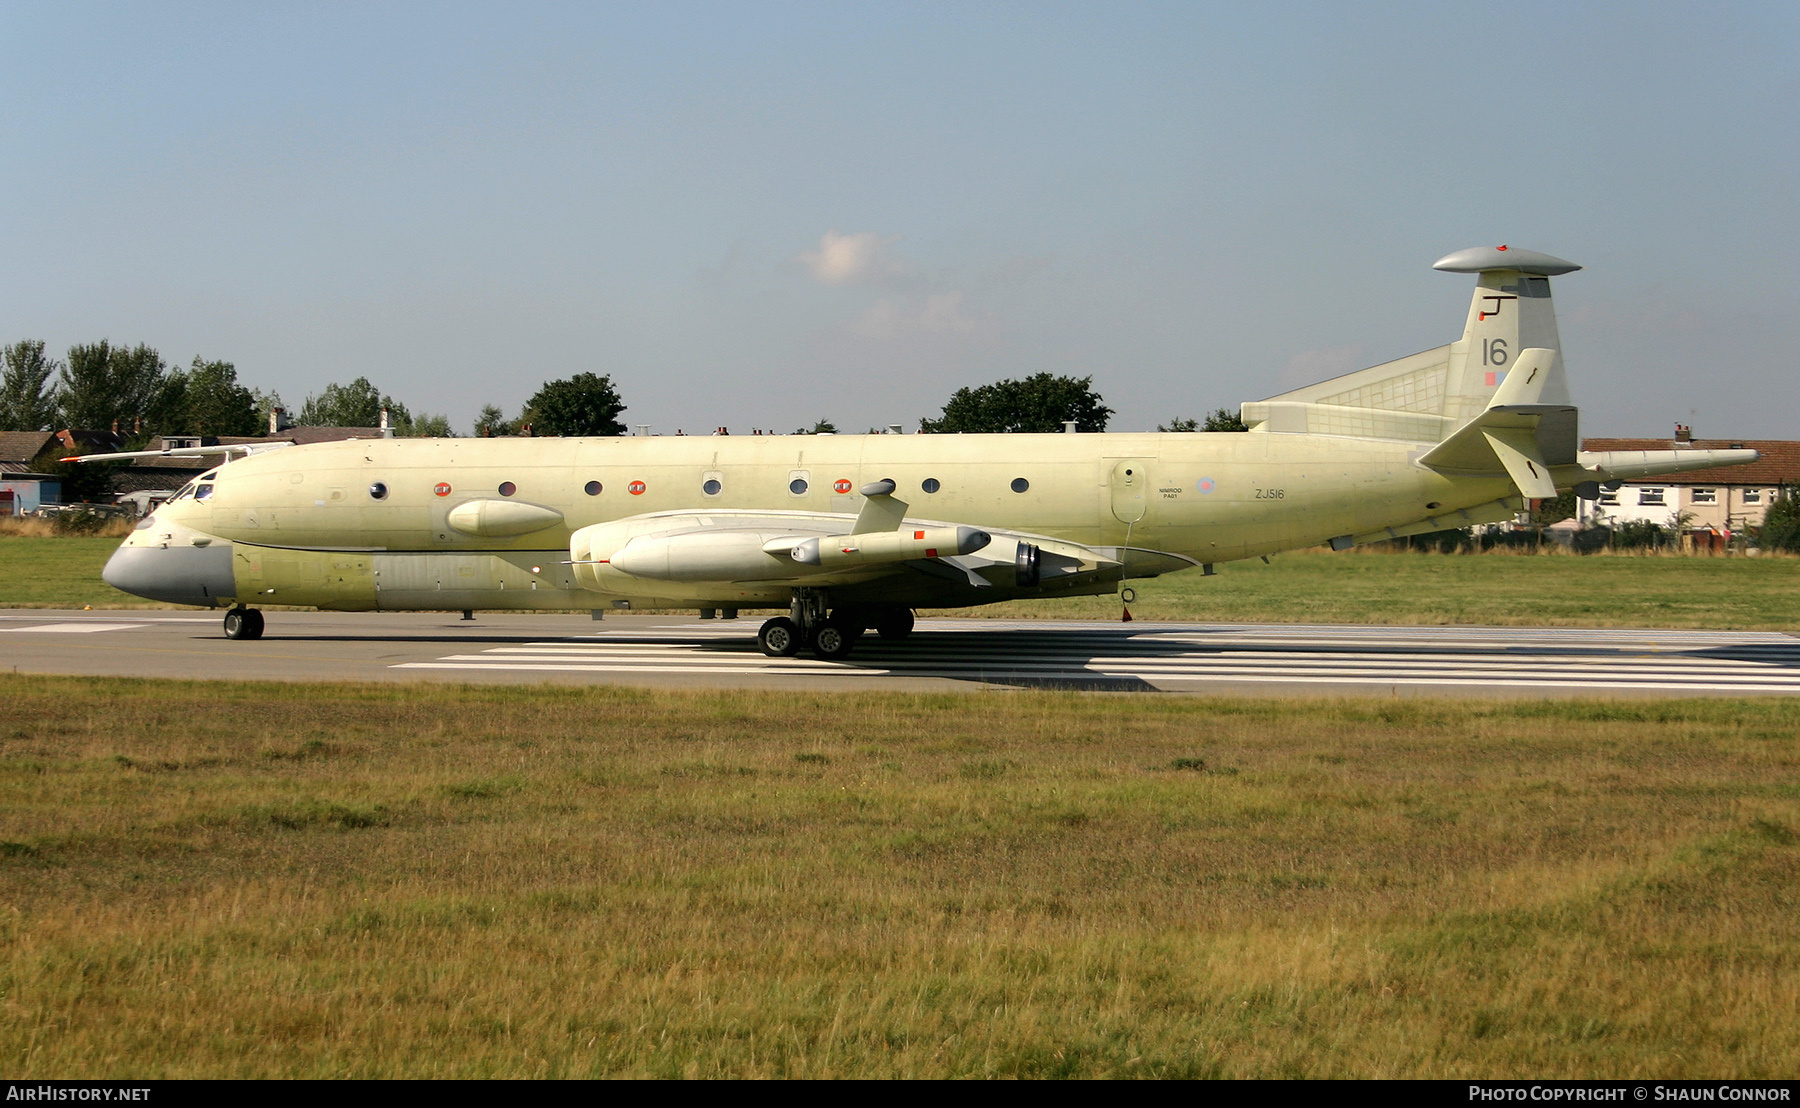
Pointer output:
x,y
942,654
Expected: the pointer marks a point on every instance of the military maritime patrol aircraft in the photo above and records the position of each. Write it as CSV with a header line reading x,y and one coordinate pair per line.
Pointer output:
x,y
852,532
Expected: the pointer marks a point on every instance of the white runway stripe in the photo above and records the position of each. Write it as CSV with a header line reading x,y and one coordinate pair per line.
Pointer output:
x,y
1187,656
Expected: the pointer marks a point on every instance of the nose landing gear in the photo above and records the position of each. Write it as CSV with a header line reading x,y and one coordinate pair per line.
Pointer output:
x,y
243,623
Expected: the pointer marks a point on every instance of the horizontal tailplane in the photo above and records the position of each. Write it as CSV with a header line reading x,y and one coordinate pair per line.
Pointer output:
x,y
1624,465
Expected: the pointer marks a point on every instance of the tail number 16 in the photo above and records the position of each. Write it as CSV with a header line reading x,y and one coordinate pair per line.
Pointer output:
x,y
1493,352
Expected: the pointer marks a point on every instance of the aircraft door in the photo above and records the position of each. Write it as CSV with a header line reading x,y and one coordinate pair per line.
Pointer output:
x,y
1130,489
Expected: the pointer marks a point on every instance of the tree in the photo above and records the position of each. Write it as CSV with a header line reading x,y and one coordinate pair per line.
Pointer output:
x,y
357,404
1224,419
581,405
103,384
1781,526
1180,424
428,427
1040,403
492,423
215,404
820,427
28,399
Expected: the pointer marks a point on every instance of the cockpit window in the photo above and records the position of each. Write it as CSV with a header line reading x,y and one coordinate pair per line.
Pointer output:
x,y
208,476
201,492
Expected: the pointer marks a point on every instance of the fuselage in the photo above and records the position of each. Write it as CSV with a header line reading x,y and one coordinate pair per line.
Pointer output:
x,y
368,523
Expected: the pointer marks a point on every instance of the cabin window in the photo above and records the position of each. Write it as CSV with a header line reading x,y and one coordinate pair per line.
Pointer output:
x,y
1020,484
1650,496
507,488
592,488
798,486
930,484
1706,496
713,487
378,491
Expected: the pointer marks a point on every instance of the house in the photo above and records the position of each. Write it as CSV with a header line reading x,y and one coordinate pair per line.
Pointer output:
x,y
1711,504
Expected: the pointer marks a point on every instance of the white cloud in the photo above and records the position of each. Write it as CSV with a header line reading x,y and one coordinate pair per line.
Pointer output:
x,y
849,259
942,313
937,314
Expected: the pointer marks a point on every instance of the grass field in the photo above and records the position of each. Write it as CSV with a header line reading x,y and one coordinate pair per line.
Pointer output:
x,y
1298,587
253,880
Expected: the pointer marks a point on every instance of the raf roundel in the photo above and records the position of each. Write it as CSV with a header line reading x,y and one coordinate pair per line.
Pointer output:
x,y
1205,484
636,488
842,484
442,489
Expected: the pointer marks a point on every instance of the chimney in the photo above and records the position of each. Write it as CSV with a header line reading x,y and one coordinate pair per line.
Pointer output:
x,y
277,420
1683,433
386,431
1068,427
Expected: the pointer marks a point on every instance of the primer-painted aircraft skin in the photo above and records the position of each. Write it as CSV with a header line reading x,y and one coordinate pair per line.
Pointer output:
x,y
853,531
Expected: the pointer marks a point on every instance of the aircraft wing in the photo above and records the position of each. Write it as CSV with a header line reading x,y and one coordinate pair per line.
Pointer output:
x,y
881,552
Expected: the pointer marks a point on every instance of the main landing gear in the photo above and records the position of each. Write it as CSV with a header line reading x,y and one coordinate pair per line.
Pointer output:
x,y
243,623
830,637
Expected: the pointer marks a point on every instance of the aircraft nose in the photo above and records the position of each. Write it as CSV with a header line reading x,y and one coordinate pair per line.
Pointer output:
x,y
174,575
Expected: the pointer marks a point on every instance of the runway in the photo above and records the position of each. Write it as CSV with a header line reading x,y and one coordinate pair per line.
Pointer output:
x,y
941,654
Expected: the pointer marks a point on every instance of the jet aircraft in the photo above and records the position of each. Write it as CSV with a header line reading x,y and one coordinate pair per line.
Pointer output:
x,y
848,533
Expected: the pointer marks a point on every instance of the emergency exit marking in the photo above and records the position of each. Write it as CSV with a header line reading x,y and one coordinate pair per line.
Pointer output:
x,y
842,484
636,488
442,489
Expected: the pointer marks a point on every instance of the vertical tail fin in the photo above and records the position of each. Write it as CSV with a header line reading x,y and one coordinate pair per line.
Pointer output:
x,y
1426,397
1511,311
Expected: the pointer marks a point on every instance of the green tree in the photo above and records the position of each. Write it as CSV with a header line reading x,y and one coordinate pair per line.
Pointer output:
x,y
103,384
428,427
492,423
215,404
1224,419
584,404
1781,526
1180,424
820,427
28,400
357,404
1040,403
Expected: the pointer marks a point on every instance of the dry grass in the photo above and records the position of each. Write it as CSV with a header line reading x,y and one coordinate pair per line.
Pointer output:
x,y
253,880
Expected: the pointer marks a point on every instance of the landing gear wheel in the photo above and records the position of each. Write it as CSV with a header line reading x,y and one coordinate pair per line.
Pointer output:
x,y
895,624
832,641
779,638
243,623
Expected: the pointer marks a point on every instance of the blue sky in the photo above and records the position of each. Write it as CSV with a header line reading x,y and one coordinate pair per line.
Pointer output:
x,y
759,215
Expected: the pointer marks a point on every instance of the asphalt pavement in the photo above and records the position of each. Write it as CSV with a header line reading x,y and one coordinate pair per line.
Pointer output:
x,y
675,650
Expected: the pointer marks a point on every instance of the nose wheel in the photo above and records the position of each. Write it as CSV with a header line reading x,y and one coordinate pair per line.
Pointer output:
x,y
243,623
